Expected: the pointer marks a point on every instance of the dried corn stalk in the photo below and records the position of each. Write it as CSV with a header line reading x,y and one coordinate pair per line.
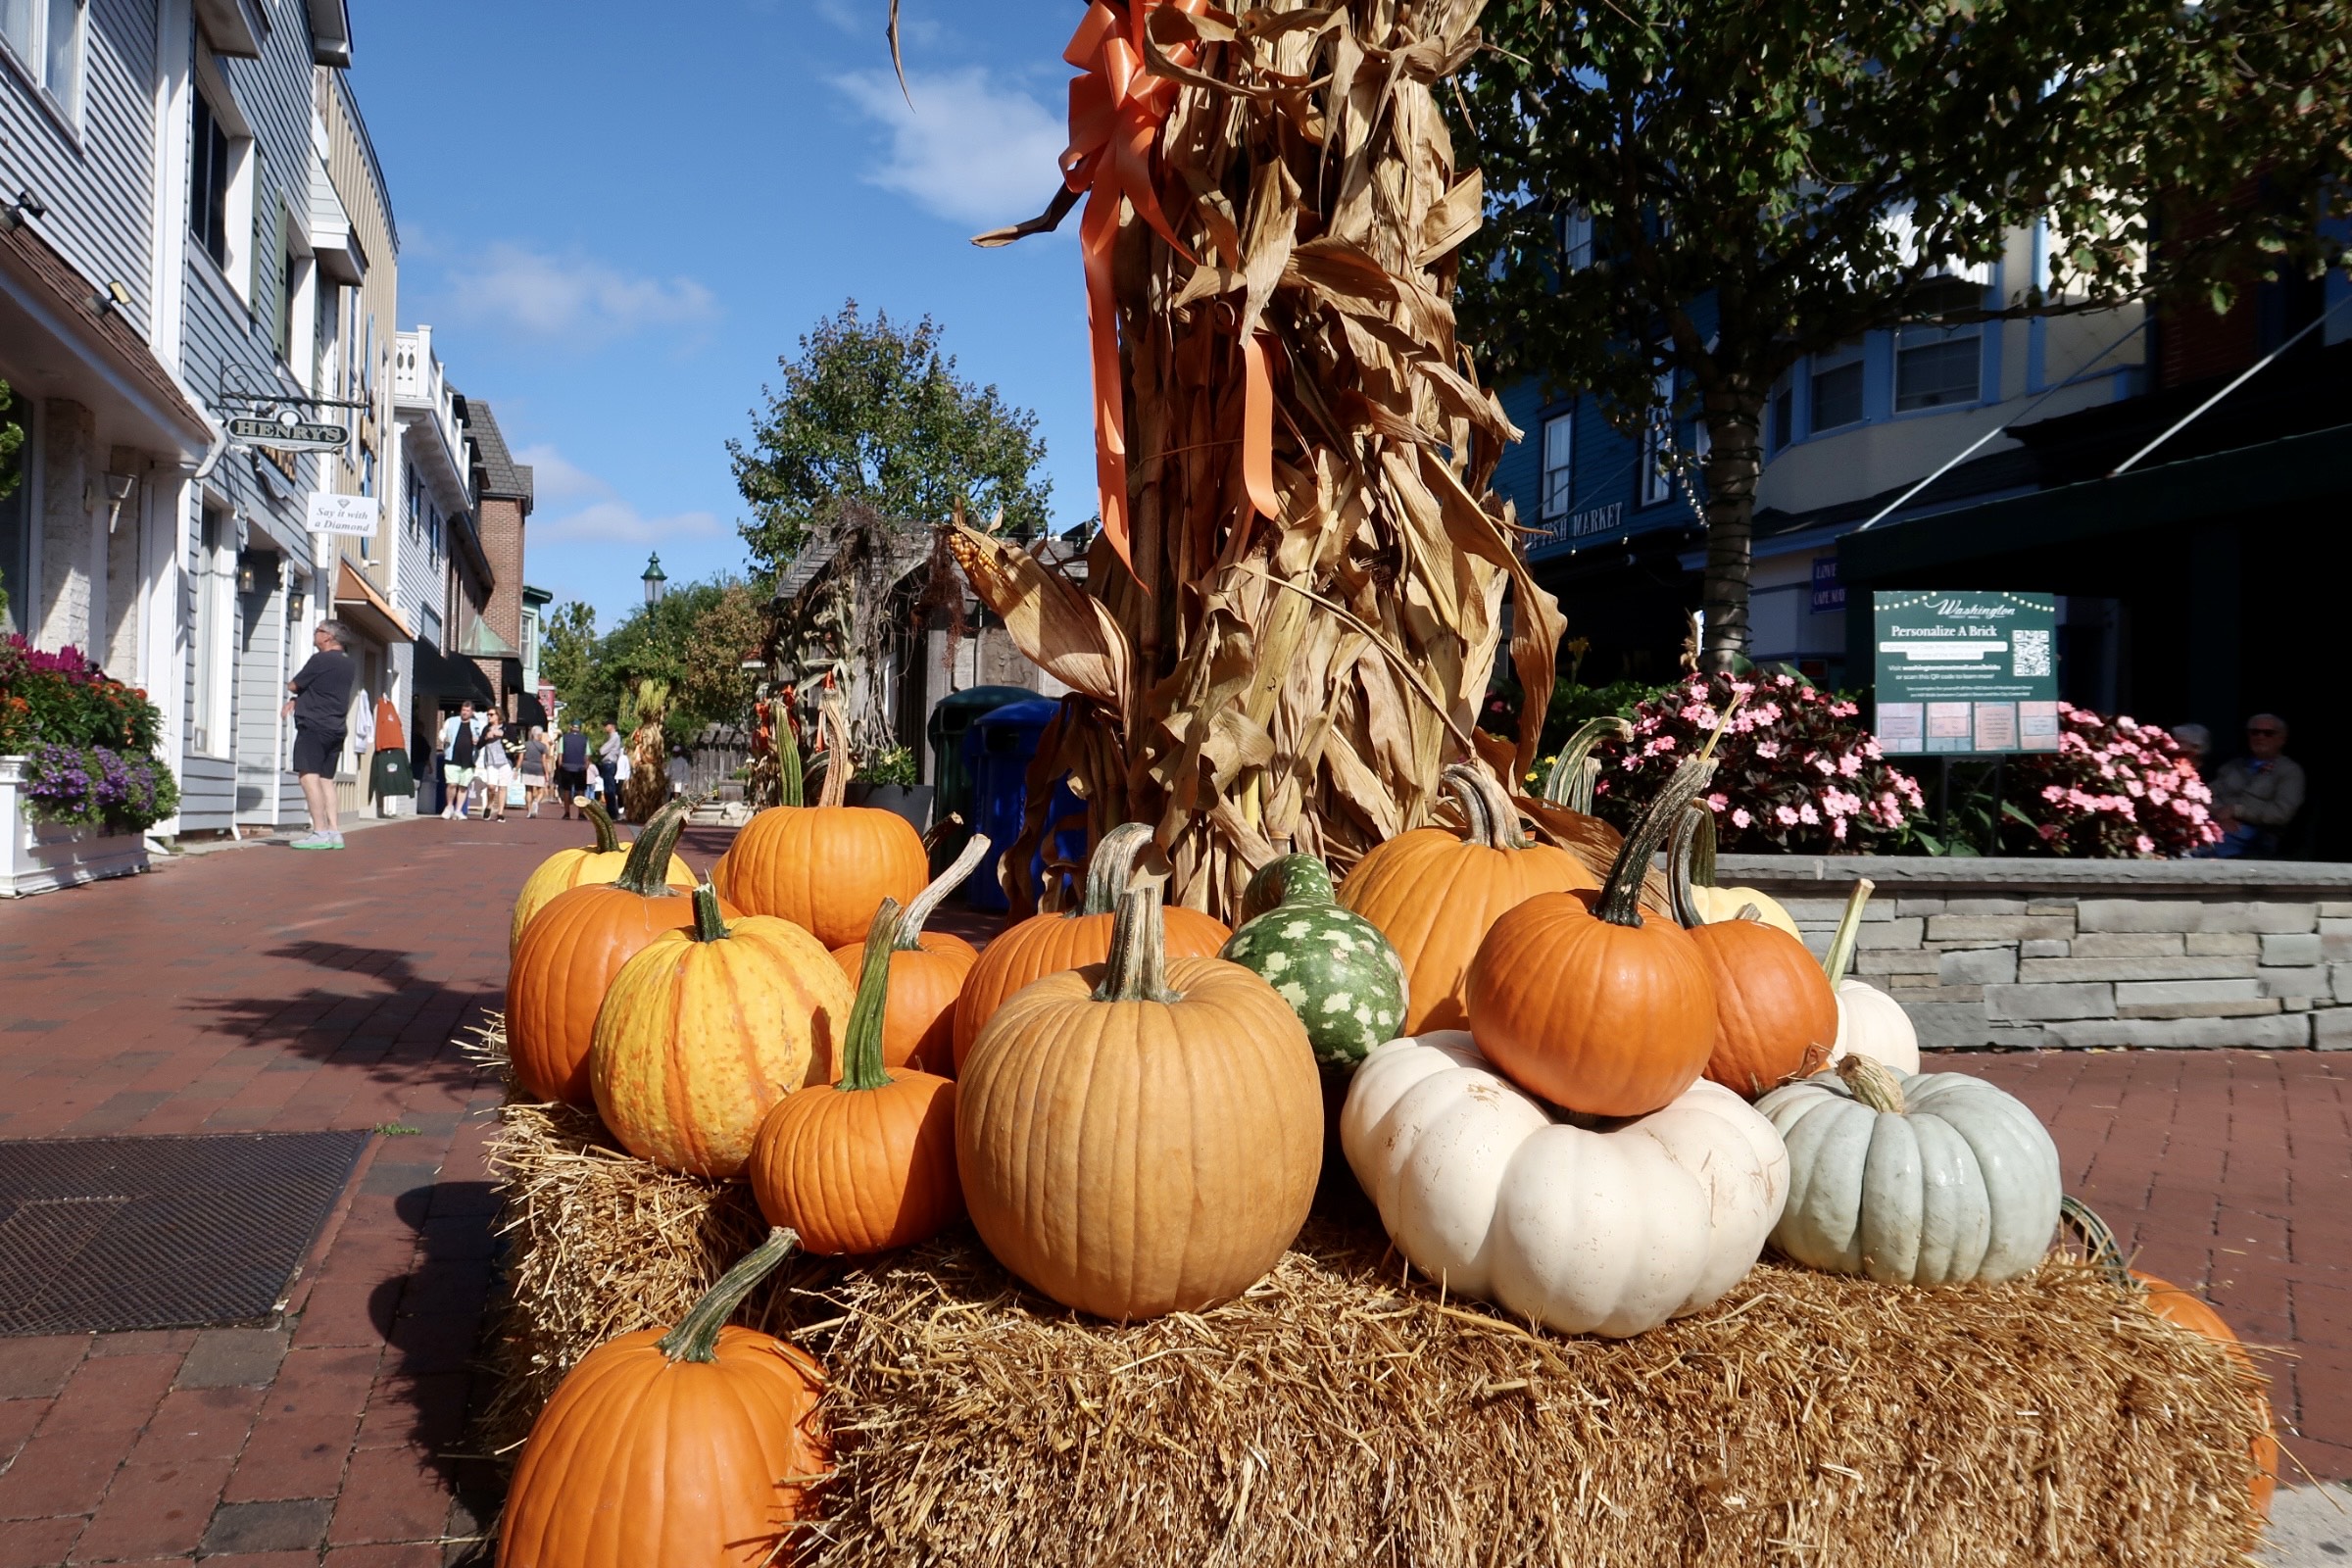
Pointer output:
x,y
1305,674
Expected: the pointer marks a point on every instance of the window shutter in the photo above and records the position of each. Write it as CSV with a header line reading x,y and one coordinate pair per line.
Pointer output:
x,y
269,261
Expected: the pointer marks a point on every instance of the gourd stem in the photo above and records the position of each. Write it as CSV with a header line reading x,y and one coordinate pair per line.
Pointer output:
x,y
646,872
862,1065
607,841
1872,1083
791,778
1294,881
1679,849
1138,967
1620,901
2099,1246
696,1337
1570,783
1494,820
709,924
839,769
1841,956
910,929
1113,867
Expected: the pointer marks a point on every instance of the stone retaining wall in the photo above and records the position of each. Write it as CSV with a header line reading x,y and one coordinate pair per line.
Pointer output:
x,y
2077,954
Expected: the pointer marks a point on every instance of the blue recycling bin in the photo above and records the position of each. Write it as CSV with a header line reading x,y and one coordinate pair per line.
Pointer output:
x,y
998,750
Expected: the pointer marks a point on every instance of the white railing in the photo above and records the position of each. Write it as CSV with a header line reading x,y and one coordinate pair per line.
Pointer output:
x,y
417,382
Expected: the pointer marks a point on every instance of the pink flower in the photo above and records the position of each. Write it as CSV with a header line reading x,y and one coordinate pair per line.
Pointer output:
x,y
1786,814
1807,815
1768,749
1848,765
1739,817
2145,845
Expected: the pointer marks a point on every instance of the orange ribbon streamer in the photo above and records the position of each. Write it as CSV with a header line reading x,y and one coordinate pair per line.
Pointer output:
x,y
1116,108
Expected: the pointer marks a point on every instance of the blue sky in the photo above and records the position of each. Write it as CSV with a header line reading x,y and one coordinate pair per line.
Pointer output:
x,y
615,219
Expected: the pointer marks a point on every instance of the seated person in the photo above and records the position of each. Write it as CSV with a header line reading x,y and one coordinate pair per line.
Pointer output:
x,y
2257,796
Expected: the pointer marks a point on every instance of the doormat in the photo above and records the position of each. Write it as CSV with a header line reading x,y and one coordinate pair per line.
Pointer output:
x,y
105,1234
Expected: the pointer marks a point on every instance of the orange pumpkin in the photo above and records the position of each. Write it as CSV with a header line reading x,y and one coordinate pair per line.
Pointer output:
x,y
1776,1018
698,1447
1435,895
927,971
2182,1309
869,1164
825,867
705,1029
573,947
1591,1003
567,870
1141,1136
1048,944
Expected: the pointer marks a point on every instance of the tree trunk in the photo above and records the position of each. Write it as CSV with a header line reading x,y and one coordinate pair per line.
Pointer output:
x,y
1734,460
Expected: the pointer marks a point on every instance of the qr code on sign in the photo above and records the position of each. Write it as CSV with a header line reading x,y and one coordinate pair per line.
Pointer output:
x,y
2032,652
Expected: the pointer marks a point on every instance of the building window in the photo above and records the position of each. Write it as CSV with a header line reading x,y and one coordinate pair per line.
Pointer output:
x,y
1838,387
1576,238
221,183
1936,366
1657,445
47,38
1560,464
213,564
1782,414
432,628
15,528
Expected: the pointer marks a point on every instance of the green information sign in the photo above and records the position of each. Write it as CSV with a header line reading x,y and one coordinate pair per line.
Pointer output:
x,y
1966,673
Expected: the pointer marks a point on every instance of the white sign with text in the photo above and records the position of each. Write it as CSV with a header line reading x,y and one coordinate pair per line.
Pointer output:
x,y
331,513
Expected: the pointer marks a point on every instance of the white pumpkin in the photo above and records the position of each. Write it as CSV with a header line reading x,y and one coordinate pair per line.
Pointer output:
x,y
1607,1229
1930,1179
1873,1024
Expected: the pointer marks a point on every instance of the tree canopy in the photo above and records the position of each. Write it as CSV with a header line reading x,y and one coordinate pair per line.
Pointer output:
x,y
692,643
1710,189
874,412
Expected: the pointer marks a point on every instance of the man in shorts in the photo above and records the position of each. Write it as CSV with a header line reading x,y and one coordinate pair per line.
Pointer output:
x,y
460,739
321,709
571,767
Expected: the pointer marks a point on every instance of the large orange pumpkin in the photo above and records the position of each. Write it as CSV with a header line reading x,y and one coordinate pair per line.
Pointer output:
x,y
1776,1018
869,1164
698,1447
1141,1136
567,870
573,947
825,867
927,971
1435,895
1591,1003
1048,944
705,1029
2191,1312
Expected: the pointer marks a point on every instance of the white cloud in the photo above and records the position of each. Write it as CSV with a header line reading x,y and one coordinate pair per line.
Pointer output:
x,y
969,150
536,294
597,512
555,478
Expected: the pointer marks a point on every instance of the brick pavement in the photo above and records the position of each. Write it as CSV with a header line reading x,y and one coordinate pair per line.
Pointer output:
x,y
264,990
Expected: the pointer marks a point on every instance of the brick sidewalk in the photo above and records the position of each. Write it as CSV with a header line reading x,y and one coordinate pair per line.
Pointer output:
x,y
264,990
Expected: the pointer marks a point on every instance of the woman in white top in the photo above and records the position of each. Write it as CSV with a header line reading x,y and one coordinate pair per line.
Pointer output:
x,y
493,770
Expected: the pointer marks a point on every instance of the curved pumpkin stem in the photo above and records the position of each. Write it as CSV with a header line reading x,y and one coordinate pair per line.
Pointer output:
x,y
1114,867
709,925
861,1064
1138,967
607,841
1682,855
1620,902
1576,770
839,769
910,928
1293,879
791,781
1841,956
2099,1245
646,872
1872,1083
696,1337
1494,820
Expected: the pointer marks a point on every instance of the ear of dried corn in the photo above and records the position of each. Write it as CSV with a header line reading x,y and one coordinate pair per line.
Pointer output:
x,y
1301,675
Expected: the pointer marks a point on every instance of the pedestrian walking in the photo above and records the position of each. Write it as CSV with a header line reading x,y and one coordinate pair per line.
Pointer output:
x,y
460,738
493,770
608,766
681,771
616,798
321,705
534,771
571,767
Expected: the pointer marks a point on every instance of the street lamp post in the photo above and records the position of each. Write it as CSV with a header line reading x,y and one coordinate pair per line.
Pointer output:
x,y
654,580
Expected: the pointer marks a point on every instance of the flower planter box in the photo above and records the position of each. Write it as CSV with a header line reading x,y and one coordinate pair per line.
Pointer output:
x,y
40,857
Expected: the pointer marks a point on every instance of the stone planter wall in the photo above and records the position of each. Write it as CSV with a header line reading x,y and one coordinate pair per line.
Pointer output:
x,y
2082,954
42,856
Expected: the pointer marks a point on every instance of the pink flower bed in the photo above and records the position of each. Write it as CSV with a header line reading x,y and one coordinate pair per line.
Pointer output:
x,y
2115,789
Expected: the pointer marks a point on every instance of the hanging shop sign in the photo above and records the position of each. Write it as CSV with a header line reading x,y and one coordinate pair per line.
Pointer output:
x,y
289,434
1966,673
333,512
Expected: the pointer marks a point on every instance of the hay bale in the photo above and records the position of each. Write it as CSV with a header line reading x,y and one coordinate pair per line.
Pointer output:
x,y
1342,1414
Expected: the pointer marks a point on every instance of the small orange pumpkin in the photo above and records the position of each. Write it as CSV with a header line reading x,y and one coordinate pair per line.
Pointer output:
x,y
1048,944
573,947
825,867
927,971
698,1447
1434,894
705,1029
869,1164
1591,1003
1776,1018
567,870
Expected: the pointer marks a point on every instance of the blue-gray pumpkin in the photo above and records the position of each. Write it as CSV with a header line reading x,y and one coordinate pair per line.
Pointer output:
x,y
1331,965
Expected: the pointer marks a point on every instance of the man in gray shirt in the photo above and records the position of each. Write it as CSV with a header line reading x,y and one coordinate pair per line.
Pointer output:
x,y
321,709
2256,797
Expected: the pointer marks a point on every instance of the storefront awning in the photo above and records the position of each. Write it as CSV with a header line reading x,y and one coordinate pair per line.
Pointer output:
x,y
368,612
